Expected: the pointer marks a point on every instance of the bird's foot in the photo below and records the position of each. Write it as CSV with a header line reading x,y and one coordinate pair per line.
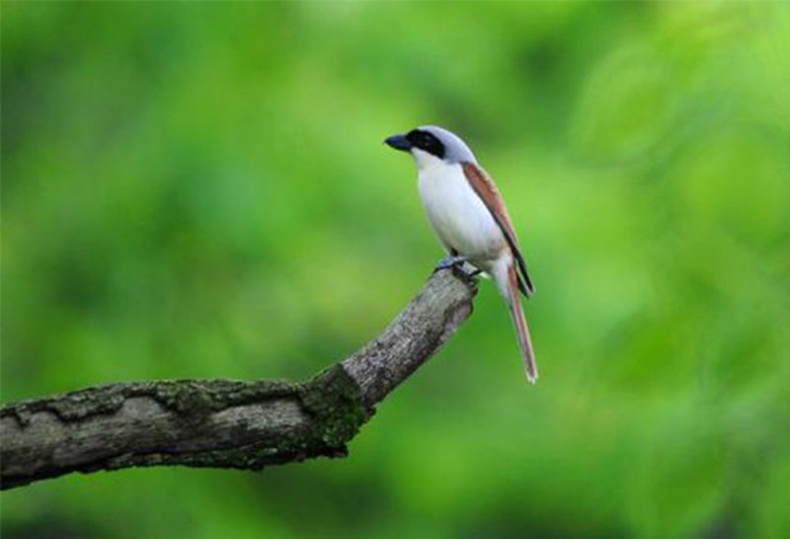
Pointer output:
x,y
451,261
460,268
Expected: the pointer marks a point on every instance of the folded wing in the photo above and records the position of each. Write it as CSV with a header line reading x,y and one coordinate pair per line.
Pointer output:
x,y
485,188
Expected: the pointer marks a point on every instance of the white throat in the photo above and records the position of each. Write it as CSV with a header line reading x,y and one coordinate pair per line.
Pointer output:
x,y
426,160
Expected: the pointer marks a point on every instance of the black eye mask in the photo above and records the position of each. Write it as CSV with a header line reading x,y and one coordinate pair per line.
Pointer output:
x,y
427,142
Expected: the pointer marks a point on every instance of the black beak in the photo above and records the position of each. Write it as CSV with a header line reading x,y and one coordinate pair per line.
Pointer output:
x,y
399,142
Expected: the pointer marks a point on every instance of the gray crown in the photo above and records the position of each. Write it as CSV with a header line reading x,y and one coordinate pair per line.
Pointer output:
x,y
456,149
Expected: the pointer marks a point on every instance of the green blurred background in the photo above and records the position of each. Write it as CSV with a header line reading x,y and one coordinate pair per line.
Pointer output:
x,y
201,190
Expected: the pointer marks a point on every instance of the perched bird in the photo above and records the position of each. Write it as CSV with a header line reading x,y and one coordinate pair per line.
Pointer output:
x,y
469,216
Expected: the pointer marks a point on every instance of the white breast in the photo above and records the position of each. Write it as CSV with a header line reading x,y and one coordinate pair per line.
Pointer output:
x,y
458,216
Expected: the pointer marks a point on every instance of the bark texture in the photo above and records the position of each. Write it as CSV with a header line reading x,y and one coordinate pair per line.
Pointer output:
x,y
225,423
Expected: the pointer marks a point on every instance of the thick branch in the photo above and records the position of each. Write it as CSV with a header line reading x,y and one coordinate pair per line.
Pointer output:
x,y
224,423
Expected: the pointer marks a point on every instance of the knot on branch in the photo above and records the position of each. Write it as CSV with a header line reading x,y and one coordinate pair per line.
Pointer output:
x,y
333,399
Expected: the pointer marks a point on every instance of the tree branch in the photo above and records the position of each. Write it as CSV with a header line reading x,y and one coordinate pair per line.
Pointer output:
x,y
225,423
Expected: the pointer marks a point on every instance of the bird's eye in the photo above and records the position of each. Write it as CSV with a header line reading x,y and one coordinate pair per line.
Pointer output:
x,y
426,142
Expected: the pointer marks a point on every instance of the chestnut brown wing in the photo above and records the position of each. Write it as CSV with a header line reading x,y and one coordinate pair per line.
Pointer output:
x,y
485,188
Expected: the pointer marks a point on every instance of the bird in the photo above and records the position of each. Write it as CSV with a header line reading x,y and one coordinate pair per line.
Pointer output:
x,y
469,216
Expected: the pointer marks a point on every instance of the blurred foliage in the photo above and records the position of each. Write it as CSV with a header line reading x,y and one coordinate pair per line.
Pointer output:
x,y
200,190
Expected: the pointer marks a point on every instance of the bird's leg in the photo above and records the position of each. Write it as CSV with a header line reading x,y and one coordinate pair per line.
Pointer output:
x,y
450,261
453,260
456,263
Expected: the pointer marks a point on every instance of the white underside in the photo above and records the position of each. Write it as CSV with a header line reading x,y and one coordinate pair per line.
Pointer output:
x,y
458,215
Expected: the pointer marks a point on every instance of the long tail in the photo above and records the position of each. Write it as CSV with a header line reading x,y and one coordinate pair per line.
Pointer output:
x,y
507,279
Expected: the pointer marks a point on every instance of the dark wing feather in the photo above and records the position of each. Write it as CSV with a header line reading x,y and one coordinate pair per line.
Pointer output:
x,y
485,188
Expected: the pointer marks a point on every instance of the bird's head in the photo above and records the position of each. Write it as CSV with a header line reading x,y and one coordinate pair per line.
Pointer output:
x,y
432,145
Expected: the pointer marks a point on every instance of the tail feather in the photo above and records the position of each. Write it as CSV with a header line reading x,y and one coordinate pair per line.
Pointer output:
x,y
522,330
